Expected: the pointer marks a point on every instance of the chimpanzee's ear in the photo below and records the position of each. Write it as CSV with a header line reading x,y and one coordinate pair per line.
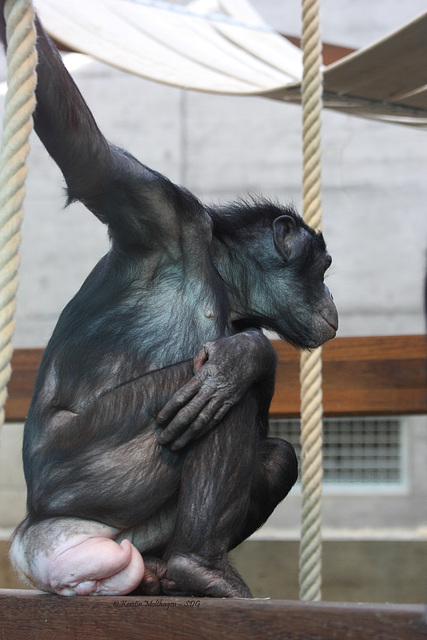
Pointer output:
x,y
286,237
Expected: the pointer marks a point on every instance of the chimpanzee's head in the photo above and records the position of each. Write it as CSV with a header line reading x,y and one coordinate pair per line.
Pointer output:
x,y
277,273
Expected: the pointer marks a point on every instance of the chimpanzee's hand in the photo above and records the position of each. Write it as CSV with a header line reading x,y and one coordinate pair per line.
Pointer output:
x,y
224,370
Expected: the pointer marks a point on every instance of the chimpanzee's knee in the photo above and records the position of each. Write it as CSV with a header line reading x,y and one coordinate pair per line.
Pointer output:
x,y
274,477
278,469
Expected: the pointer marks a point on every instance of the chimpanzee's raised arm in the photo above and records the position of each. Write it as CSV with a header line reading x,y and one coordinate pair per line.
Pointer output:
x,y
65,125
106,179
67,128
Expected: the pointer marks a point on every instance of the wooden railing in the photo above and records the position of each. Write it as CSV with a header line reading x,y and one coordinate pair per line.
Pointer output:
x,y
384,375
31,616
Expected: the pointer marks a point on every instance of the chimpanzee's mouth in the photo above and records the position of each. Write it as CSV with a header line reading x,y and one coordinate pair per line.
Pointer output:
x,y
332,324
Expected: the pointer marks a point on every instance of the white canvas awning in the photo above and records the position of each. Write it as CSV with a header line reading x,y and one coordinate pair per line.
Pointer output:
x,y
224,46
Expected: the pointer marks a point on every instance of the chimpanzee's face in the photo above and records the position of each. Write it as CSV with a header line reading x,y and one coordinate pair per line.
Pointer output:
x,y
291,297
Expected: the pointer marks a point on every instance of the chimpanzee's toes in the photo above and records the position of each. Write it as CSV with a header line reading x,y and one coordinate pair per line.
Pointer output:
x,y
151,584
190,576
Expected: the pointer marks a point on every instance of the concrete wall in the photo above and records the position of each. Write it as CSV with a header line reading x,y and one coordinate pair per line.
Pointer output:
x,y
221,147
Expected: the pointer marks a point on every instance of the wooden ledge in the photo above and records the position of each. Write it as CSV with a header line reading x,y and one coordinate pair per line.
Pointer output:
x,y
32,615
384,375
370,376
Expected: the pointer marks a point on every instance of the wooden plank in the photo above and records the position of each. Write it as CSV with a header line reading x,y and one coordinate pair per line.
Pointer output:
x,y
383,375
35,616
25,364
330,52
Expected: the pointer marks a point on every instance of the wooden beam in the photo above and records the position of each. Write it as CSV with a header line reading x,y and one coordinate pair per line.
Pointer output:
x,y
25,364
330,52
31,615
383,375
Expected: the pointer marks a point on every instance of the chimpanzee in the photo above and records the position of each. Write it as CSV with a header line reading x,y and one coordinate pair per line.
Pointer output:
x,y
147,432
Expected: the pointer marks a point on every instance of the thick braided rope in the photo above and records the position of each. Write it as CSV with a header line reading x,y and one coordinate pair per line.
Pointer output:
x,y
17,126
311,363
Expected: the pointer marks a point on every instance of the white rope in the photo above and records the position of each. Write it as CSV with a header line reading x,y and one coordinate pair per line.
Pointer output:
x,y
17,126
311,363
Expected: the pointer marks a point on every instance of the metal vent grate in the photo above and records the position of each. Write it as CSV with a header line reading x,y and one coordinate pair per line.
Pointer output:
x,y
355,450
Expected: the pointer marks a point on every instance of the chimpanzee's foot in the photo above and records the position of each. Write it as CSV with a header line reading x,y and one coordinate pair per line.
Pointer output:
x,y
154,574
188,575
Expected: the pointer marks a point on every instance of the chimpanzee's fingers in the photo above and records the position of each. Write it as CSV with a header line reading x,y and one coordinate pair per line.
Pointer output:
x,y
207,419
184,420
178,400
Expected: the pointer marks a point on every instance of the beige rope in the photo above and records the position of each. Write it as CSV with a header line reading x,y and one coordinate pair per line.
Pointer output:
x,y
311,363
17,126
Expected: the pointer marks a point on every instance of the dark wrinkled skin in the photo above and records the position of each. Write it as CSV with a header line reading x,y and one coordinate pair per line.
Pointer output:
x,y
150,410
